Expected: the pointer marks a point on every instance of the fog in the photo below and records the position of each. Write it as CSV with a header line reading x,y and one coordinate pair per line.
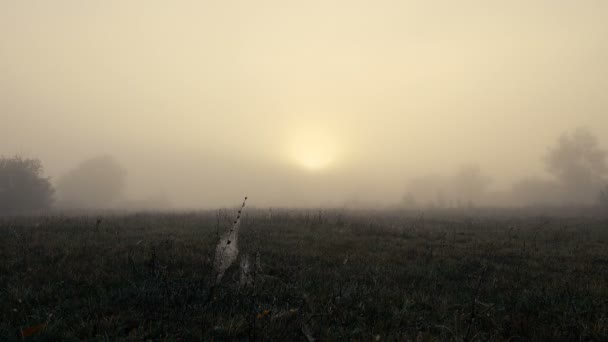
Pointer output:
x,y
196,104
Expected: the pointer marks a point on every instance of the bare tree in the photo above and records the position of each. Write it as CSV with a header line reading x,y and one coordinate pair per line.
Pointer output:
x,y
23,188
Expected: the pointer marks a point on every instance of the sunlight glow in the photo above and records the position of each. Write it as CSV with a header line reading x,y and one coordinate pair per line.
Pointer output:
x,y
313,148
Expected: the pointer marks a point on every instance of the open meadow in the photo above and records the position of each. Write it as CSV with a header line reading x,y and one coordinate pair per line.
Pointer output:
x,y
306,275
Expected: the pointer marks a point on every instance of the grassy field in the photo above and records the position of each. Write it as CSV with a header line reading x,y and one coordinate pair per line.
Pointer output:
x,y
324,275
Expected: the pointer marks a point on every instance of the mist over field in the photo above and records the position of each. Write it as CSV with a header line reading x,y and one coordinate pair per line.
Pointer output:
x,y
195,104
314,170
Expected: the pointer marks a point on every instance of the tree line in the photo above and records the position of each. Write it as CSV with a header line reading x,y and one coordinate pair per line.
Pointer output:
x,y
576,174
24,188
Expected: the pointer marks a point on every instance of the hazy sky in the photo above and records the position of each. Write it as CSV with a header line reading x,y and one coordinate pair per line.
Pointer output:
x,y
299,102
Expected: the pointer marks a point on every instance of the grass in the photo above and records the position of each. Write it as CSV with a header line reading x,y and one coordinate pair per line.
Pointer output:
x,y
325,275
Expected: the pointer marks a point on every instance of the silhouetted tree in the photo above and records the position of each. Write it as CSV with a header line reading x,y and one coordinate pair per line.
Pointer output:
x,y
428,190
469,185
23,187
579,164
409,201
537,191
95,183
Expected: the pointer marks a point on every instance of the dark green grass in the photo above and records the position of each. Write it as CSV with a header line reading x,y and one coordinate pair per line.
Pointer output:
x,y
332,275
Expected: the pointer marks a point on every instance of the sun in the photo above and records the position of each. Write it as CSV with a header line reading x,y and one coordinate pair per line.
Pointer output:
x,y
312,148
313,158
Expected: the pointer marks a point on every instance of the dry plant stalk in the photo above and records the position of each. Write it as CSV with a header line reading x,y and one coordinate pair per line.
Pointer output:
x,y
227,249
